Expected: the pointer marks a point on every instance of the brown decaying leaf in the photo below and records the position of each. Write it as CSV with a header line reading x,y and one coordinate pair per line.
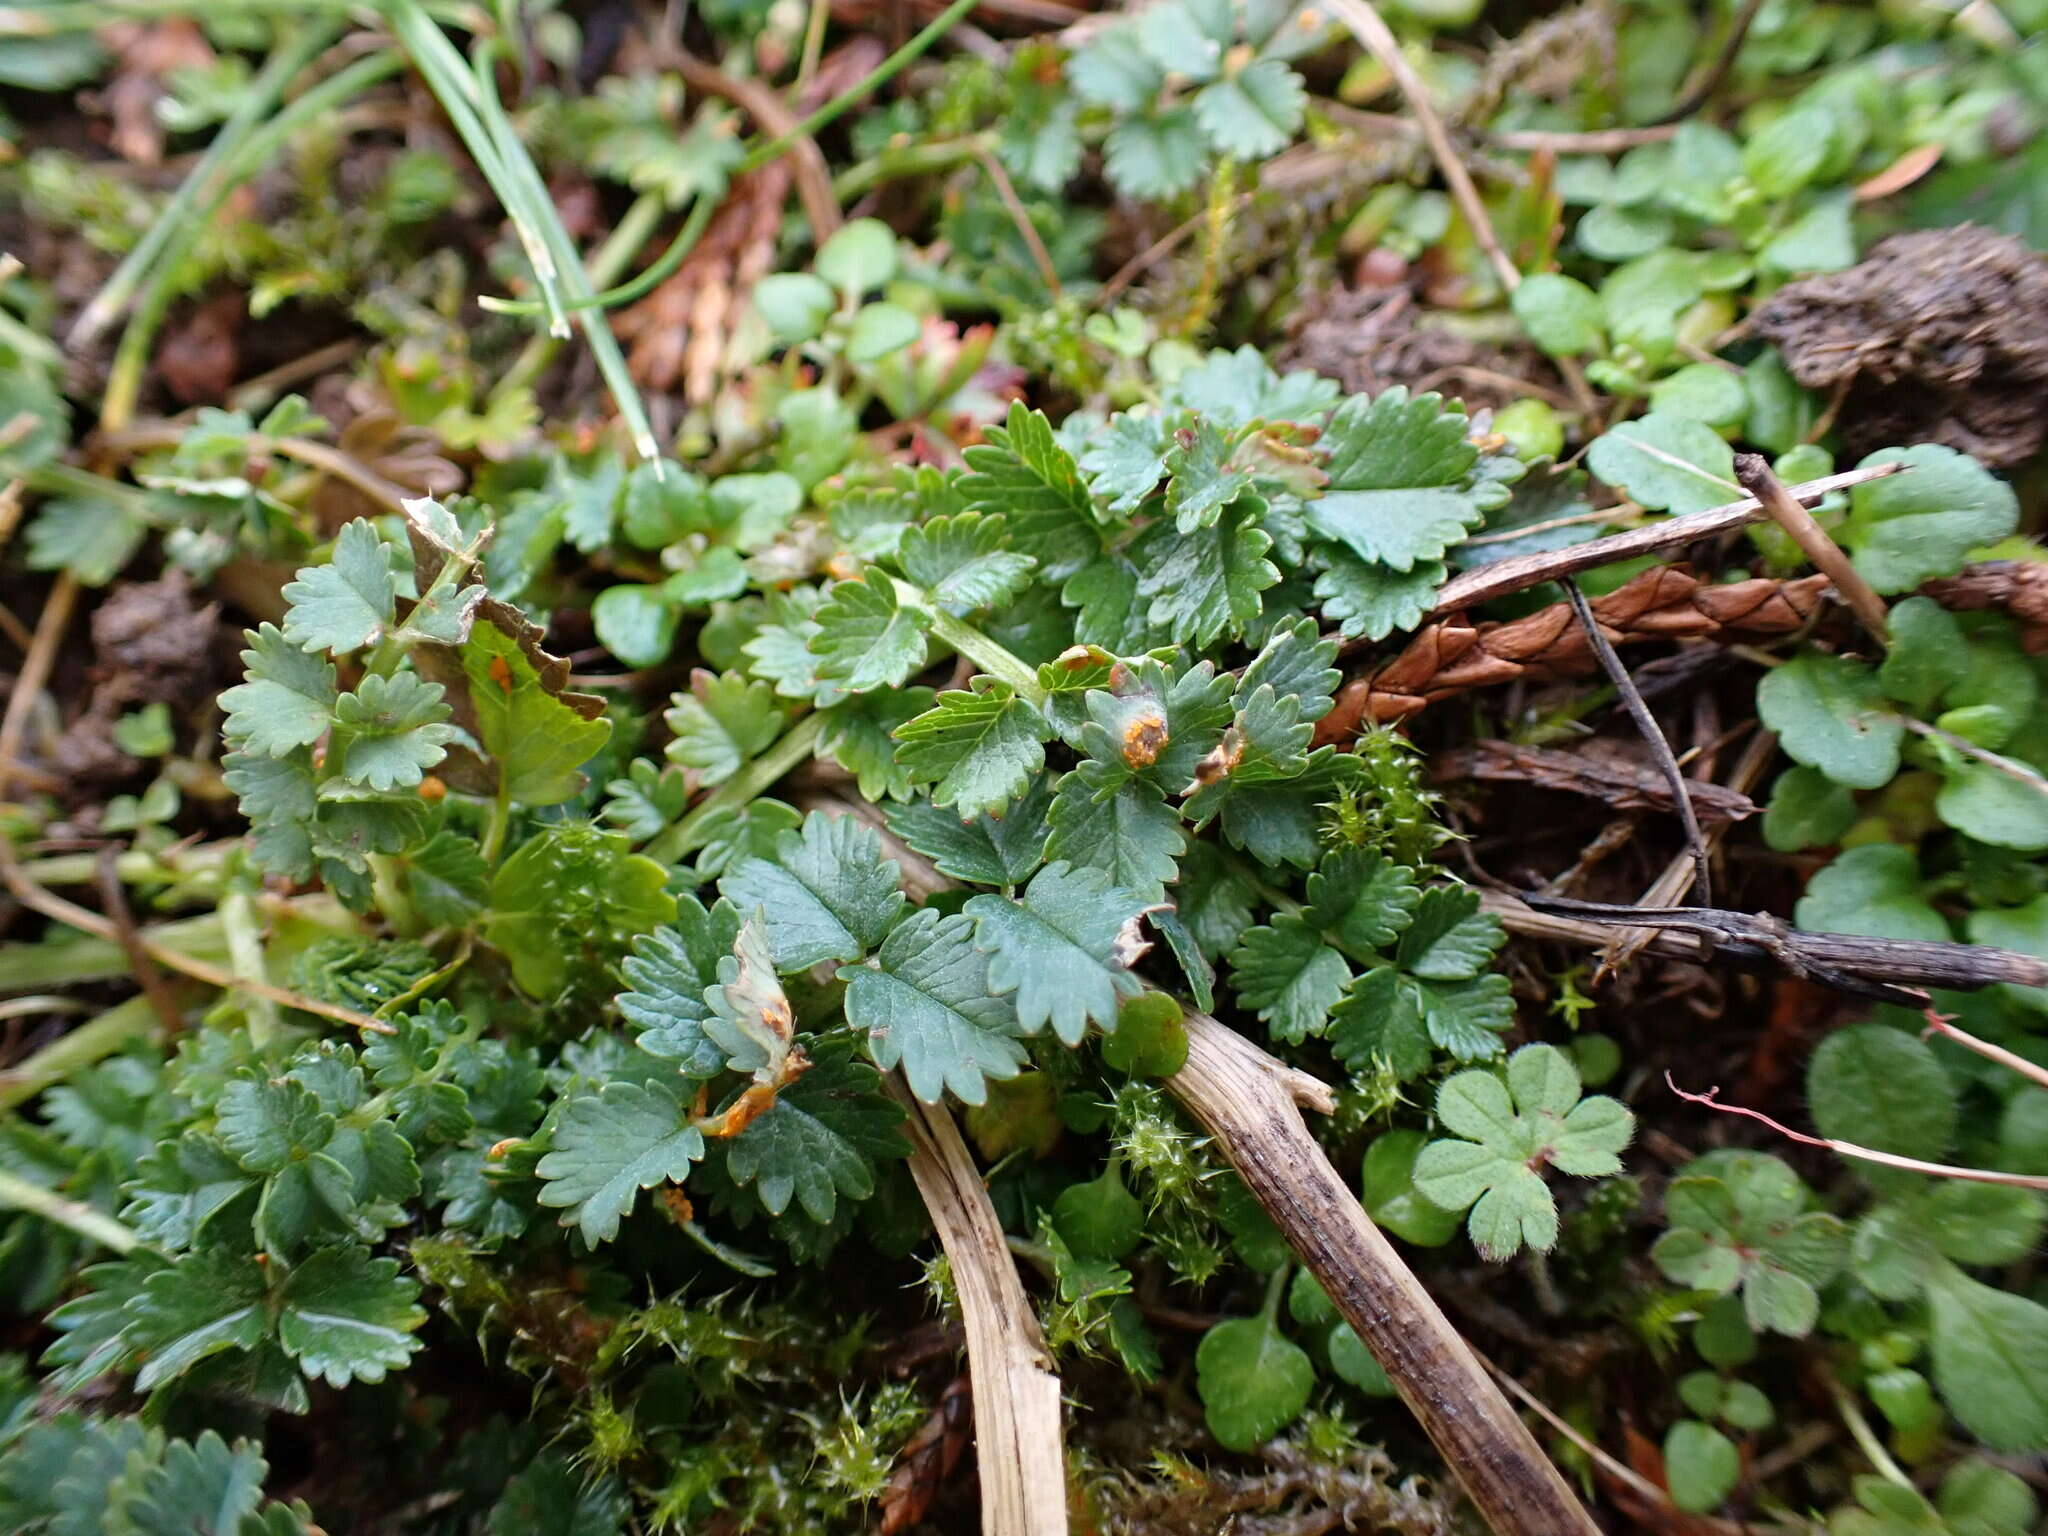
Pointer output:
x,y
199,357
928,1458
678,336
1625,786
1665,603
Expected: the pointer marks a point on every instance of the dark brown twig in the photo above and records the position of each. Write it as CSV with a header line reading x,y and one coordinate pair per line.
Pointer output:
x,y
1652,733
1888,970
1708,83
107,875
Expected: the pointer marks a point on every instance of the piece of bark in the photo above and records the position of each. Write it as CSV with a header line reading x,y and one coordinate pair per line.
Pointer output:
x,y
1622,785
1250,1105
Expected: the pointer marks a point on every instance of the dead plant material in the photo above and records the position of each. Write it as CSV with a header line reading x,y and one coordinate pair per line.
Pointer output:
x,y
928,1458
1939,335
2017,587
678,336
1666,603
1251,1105
1886,970
199,357
1753,471
152,642
146,53
1621,785
1016,1397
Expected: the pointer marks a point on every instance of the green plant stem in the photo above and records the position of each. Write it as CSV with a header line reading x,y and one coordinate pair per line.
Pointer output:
x,y
131,357
217,164
996,660
94,1040
39,966
245,958
665,264
921,159
1865,1437
633,231
134,867
499,820
72,1215
687,835
1275,1289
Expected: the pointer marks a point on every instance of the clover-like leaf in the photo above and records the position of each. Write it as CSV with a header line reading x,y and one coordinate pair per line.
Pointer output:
x,y
1741,1220
1923,523
1510,1130
1830,712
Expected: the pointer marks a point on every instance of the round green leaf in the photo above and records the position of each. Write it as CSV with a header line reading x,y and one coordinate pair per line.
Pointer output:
x,y
1701,1466
1832,715
1100,1219
1807,810
1354,1363
635,623
880,329
1884,1089
1151,1037
1387,1181
859,258
1253,1382
1561,314
795,305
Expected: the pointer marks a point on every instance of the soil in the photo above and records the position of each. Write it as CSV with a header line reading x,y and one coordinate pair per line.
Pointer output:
x,y
1938,336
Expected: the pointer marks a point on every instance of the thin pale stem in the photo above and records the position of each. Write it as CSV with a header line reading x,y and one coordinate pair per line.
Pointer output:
x,y
72,1215
794,749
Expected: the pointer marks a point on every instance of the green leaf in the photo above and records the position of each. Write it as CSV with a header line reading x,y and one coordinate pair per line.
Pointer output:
x,y
285,701
1387,1183
1924,523
1065,949
795,305
878,330
1667,463
1822,239
200,1486
821,1138
1995,805
1100,1219
1882,1088
668,974
1125,460
346,1316
610,1145
1450,939
858,258
1831,714
827,895
977,748
347,603
1511,1130
538,737
1365,598
1745,1224
860,736
721,723
961,561
1561,314
636,623
1206,584
1874,890
1113,71
864,639
207,1301
986,850
1127,831
1929,653
1701,1466
568,900
391,730
1200,480
1255,114
927,1003
1234,389
1152,155
1290,975
1807,810
1253,1382
1990,1351
1021,471
93,539
1401,480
